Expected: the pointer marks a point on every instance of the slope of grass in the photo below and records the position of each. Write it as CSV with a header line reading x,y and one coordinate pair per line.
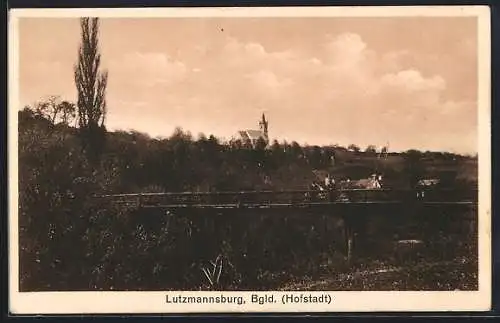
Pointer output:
x,y
423,276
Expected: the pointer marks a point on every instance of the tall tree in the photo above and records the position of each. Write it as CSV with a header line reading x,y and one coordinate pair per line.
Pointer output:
x,y
91,84
414,167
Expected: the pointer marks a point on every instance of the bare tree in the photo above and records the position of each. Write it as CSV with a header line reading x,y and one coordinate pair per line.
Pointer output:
x,y
67,111
55,110
47,108
90,81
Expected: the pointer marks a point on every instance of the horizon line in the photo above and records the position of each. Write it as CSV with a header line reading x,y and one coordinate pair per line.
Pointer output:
x,y
225,141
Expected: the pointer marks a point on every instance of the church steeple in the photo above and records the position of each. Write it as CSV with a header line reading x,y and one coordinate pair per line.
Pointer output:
x,y
263,124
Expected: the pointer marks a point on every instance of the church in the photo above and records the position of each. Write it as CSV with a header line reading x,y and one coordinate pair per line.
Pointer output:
x,y
252,136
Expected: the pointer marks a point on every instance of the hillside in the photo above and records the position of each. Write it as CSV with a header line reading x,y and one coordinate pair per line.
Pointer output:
x,y
135,162
114,249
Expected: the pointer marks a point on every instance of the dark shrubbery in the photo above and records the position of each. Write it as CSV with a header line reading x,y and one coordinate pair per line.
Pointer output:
x,y
72,241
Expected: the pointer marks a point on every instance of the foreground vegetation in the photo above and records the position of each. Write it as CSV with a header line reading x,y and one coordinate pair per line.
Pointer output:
x,y
70,241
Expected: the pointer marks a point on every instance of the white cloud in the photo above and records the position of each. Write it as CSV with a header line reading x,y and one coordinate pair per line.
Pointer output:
x,y
347,74
347,49
412,80
147,69
452,107
253,50
269,80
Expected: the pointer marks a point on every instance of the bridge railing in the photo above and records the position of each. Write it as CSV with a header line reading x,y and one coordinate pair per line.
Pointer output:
x,y
291,197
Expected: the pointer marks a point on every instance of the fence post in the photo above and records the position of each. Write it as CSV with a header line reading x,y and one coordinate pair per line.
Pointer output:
x,y
349,237
350,243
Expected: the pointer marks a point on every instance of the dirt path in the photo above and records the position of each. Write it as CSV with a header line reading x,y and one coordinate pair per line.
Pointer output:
x,y
459,274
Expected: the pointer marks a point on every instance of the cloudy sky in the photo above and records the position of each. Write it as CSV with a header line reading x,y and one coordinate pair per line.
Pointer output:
x,y
411,82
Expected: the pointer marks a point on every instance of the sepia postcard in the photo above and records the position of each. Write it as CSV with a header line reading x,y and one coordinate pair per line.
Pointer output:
x,y
243,160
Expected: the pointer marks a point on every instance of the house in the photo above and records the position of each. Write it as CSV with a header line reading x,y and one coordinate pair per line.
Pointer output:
x,y
373,182
428,182
252,136
424,184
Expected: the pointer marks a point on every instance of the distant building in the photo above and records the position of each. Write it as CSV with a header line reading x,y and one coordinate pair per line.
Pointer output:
x,y
428,182
252,136
373,182
424,184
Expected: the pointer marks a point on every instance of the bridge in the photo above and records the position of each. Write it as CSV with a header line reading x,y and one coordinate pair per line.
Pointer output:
x,y
296,198
354,206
